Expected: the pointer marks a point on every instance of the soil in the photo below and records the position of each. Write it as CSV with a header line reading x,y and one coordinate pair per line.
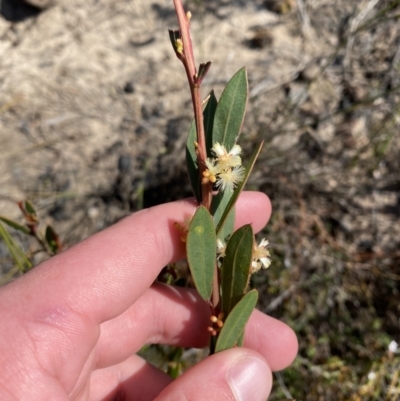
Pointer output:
x,y
95,108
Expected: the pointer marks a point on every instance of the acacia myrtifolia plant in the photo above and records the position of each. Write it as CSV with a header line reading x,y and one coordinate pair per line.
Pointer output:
x,y
221,261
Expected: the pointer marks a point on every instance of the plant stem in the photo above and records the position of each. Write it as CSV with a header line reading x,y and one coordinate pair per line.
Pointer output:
x,y
185,54
188,61
206,189
184,26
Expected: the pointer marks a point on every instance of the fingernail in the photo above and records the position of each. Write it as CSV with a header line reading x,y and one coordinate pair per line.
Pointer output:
x,y
249,379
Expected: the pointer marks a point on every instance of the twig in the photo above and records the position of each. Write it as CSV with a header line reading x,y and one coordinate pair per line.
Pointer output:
x,y
183,47
394,68
354,26
306,27
265,85
281,298
285,390
184,51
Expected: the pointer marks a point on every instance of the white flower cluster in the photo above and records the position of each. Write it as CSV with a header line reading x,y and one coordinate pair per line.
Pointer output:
x,y
225,169
393,347
261,255
221,248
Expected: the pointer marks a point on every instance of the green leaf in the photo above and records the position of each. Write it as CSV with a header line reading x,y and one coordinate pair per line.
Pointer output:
x,y
191,156
218,204
235,269
15,250
230,111
15,225
236,321
52,240
209,115
201,245
176,363
29,208
28,211
239,188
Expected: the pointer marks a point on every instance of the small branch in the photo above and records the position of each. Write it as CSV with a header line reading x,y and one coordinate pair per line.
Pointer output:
x,y
184,26
354,26
306,26
183,47
206,189
280,299
285,390
185,54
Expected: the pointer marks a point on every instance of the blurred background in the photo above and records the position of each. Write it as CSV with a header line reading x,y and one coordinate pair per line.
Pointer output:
x,y
94,112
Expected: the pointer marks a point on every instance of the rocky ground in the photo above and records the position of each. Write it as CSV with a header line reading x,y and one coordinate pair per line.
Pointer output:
x,y
94,110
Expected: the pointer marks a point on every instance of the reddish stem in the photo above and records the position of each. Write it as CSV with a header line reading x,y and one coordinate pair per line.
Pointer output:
x,y
184,26
188,61
187,58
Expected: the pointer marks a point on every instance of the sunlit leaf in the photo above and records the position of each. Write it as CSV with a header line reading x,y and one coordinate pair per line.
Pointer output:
x,y
15,225
236,321
15,250
235,269
201,245
230,111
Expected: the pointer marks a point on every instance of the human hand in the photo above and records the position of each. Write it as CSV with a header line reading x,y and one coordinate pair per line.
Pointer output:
x,y
69,329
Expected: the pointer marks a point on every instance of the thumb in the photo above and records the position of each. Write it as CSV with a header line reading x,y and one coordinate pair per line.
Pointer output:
x,y
237,374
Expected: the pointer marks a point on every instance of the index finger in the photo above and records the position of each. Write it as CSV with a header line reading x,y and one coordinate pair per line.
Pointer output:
x,y
102,276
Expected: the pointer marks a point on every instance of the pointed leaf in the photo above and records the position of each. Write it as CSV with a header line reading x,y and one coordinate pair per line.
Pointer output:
x,y
209,115
230,110
218,205
236,321
28,211
53,240
239,188
235,269
29,207
15,225
17,253
201,245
